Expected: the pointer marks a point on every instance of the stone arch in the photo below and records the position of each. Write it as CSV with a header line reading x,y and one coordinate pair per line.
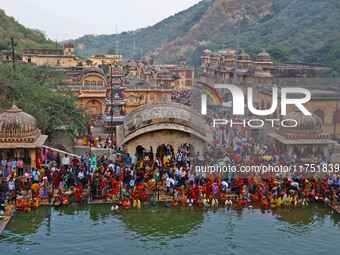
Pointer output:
x,y
95,106
166,116
321,114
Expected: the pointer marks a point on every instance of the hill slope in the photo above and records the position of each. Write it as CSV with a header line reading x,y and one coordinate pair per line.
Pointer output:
x,y
147,39
302,30
25,37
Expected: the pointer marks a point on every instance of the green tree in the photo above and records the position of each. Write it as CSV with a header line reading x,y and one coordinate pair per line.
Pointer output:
x,y
175,77
4,46
278,54
111,51
39,91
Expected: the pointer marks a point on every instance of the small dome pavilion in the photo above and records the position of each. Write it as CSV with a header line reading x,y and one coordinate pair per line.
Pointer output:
x,y
207,52
164,78
263,57
306,136
19,134
243,57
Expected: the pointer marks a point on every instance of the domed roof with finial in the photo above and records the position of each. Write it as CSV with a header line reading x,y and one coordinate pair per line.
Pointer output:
x,y
263,57
207,52
243,57
16,123
306,124
230,55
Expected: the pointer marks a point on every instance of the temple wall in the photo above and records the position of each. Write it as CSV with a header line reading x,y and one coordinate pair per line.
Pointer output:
x,y
136,98
64,61
186,79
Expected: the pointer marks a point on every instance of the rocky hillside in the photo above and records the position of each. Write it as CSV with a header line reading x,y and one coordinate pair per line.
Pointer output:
x,y
24,37
290,30
219,19
147,39
301,30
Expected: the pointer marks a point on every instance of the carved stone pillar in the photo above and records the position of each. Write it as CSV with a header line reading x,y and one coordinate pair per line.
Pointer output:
x,y
33,155
290,149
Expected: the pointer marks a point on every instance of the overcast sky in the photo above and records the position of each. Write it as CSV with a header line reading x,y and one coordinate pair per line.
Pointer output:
x,y
70,19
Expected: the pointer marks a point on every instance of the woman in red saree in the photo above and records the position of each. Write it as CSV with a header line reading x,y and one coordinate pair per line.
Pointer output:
x,y
55,179
39,160
79,192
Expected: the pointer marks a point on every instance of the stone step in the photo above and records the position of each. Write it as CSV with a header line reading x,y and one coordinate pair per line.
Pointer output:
x,y
100,135
62,153
97,129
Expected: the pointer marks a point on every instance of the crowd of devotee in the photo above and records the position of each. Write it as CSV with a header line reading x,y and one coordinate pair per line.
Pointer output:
x,y
169,178
95,142
170,175
181,96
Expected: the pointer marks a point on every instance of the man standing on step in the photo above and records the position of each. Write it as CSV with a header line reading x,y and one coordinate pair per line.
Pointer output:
x,y
66,161
4,166
85,159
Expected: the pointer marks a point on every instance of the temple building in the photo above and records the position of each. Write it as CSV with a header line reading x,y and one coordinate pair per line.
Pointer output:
x,y
219,67
323,103
20,136
183,75
164,123
89,86
90,90
139,92
64,58
262,76
163,79
6,56
115,99
51,57
180,76
97,60
306,138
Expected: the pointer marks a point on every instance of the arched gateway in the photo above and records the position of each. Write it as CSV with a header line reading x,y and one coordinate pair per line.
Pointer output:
x,y
164,123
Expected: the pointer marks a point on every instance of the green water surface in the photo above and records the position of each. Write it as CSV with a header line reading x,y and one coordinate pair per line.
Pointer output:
x,y
95,229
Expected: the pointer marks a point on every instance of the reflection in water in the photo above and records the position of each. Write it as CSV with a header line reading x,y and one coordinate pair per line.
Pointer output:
x,y
28,223
170,223
306,215
95,228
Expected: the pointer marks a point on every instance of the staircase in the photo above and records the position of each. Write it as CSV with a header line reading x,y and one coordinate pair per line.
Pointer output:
x,y
99,132
62,153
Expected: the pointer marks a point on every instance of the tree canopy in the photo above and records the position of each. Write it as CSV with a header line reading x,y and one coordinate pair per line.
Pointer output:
x,y
39,92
